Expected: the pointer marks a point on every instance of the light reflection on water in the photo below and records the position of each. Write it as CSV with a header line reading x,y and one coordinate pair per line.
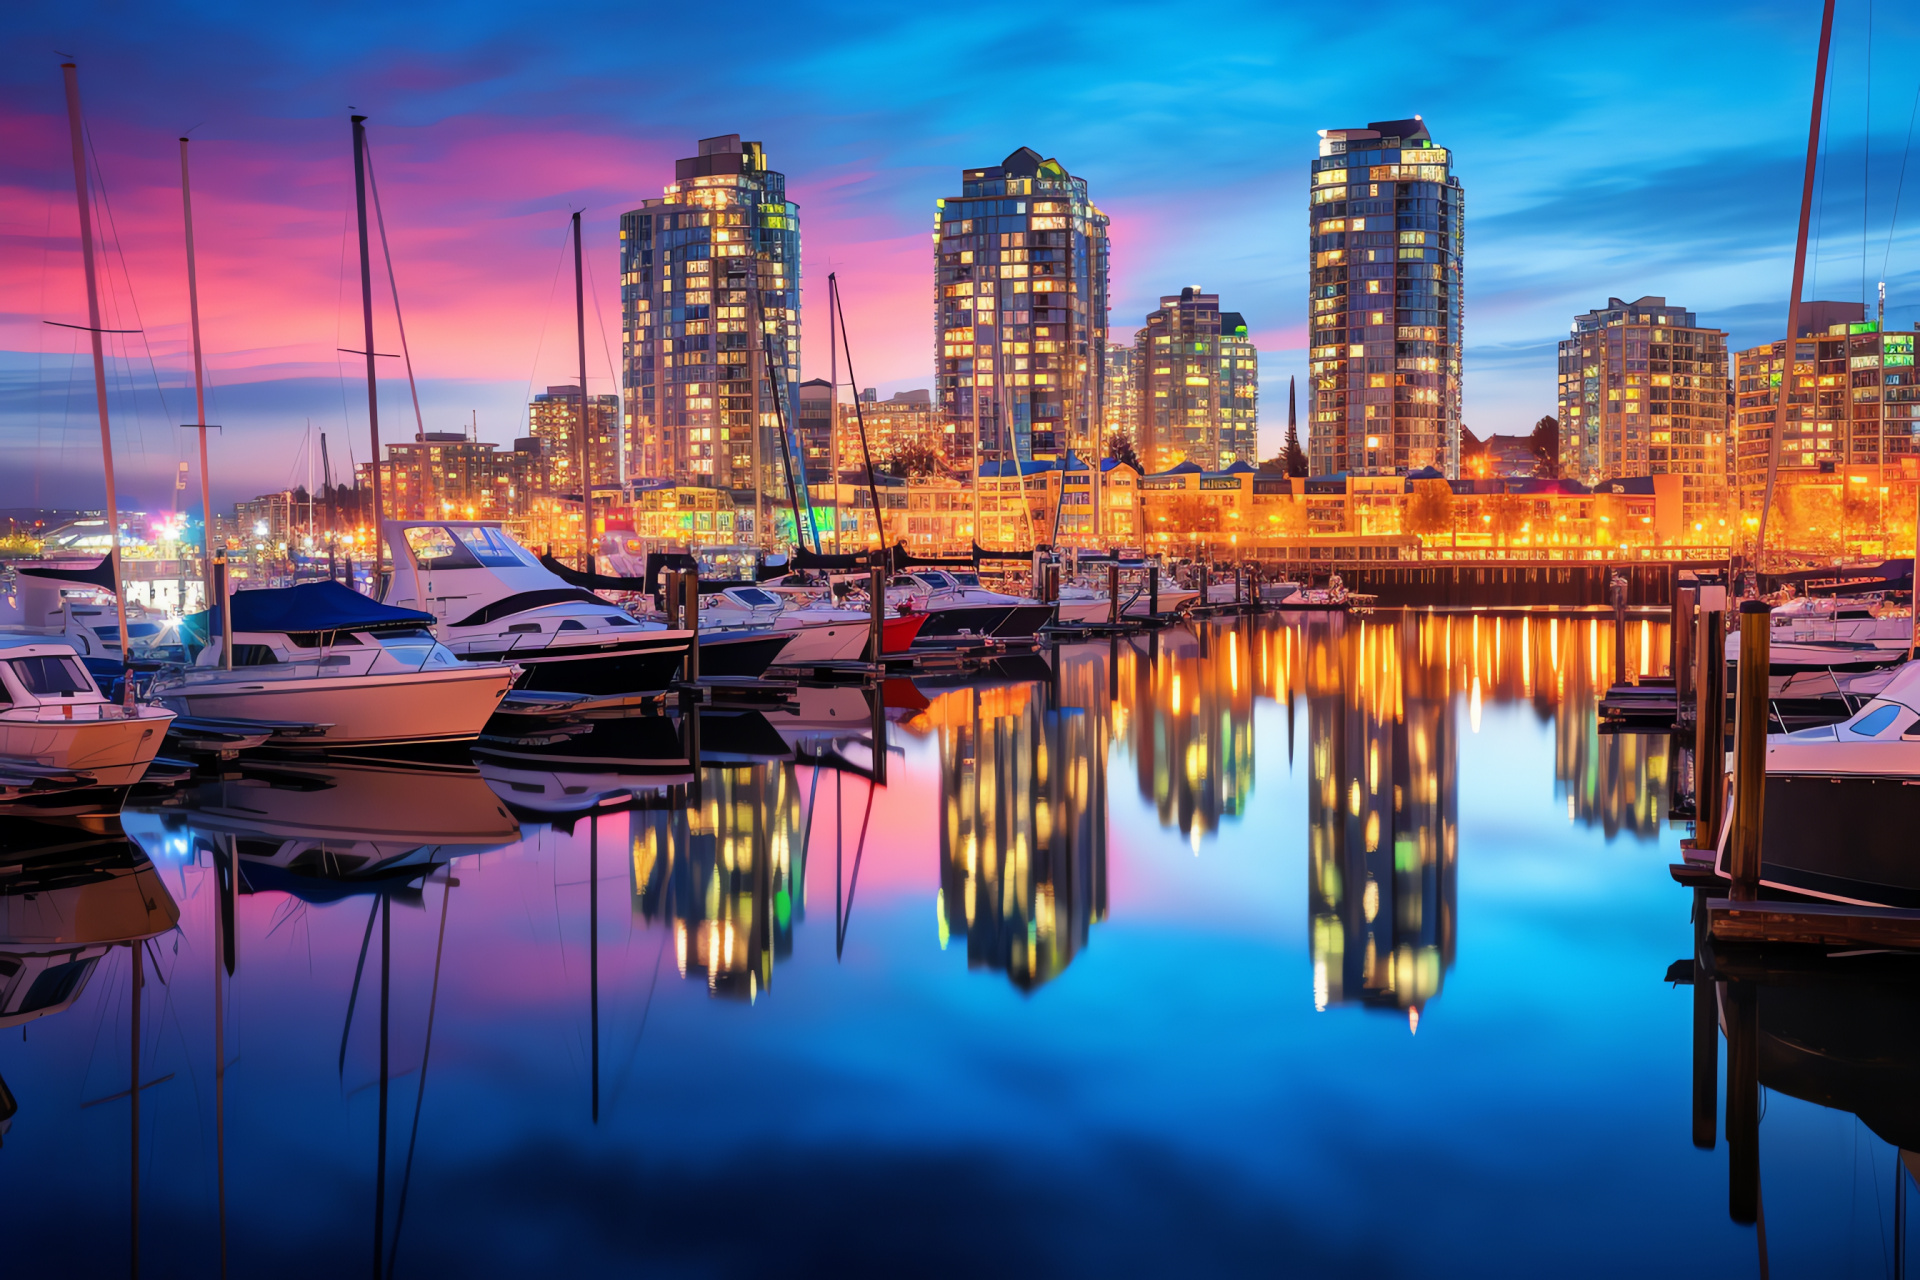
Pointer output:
x,y
1176,867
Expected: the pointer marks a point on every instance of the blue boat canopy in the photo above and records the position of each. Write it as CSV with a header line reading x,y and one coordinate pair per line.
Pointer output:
x,y
311,606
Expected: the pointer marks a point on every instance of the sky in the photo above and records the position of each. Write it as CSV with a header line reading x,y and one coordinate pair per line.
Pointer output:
x,y
1622,151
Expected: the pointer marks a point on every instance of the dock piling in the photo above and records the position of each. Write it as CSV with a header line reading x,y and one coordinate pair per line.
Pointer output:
x,y
1750,750
876,614
1113,593
1709,726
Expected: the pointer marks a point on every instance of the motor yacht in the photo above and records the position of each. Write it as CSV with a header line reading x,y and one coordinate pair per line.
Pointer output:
x,y
1081,603
822,631
361,673
1842,801
956,605
54,717
494,601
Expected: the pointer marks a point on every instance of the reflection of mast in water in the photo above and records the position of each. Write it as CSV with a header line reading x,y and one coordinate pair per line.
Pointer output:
x,y
1381,814
728,872
1023,838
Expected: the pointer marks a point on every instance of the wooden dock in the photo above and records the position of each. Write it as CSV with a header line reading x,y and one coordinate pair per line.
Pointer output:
x,y
1814,924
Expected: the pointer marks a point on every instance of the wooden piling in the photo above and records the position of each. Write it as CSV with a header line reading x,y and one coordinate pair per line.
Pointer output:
x,y
1750,750
1113,592
876,615
1680,636
1741,1010
1153,590
1709,727
1617,594
690,585
1706,1034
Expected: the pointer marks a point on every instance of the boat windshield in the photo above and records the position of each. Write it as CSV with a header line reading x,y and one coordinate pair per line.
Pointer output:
x,y
492,547
434,548
753,596
967,579
51,677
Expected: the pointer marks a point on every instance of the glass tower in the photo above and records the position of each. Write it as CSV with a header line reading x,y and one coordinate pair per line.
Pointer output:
x,y
1385,224
1020,312
697,340
1643,391
1198,380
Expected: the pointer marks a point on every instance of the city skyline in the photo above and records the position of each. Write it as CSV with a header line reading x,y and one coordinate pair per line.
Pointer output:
x,y
1562,205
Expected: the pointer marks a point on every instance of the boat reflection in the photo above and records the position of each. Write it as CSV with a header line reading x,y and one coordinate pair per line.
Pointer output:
x,y
323,829
70,892
727,872
1023,831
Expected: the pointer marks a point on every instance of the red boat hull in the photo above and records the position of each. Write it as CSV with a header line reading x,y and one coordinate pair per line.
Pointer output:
x,y
897,634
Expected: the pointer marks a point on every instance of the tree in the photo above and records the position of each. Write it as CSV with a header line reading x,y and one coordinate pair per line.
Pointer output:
x,y
1295,456
1430,507
1473,453
1120,449
913,460
1545,440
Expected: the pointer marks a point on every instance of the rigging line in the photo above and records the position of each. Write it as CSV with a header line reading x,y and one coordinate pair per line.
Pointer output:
x,y
373,185
426,1051
859,855
126,278
559,261
339,365
1894,221
619,384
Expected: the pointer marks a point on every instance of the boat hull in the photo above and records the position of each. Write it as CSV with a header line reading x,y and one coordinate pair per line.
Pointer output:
x,y
1005,621
447,704
1842,838
748,654
623,667
112,750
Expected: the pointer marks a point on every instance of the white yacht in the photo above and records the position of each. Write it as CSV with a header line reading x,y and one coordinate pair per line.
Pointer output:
x,y
956,604
822,631
76,605
493,601
1081,603
361,673
54,717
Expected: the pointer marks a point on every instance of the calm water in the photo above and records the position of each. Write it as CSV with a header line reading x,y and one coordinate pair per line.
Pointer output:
x,y
1322,948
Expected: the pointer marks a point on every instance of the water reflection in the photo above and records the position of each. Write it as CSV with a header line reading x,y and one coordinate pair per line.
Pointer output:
x,y
1023,830
1382,815
727,870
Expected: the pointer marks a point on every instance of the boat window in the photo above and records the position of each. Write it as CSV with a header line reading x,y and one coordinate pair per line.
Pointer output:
x,y
524,628
753,596
434,548
1870,724
56,985
571,624
254,655
52,677
934,580
967,579
491,547
621,620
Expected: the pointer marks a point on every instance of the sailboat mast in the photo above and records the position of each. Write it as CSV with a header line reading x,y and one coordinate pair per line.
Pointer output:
x,y
833,417
1782,396
72,74
199,382
580,330
859,416
366,313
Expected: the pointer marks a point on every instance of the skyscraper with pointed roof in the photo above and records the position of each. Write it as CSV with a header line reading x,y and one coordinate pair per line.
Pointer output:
x,y
1384,301
1020,312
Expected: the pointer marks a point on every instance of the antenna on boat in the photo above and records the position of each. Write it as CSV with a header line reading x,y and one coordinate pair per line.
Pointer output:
x,y
72,76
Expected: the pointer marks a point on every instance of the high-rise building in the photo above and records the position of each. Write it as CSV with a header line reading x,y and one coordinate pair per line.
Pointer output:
x,y
816,429
1121,413
906,420
552,418
1385,219
1849,409
1198,381
1643,391
710,298
1020,311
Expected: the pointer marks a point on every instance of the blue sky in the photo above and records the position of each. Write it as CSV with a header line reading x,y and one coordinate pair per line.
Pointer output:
x,y
1634,150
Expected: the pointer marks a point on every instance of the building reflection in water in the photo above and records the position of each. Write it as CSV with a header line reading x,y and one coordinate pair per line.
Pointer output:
x,y
727,871
1189,724
1382,813
1023,831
